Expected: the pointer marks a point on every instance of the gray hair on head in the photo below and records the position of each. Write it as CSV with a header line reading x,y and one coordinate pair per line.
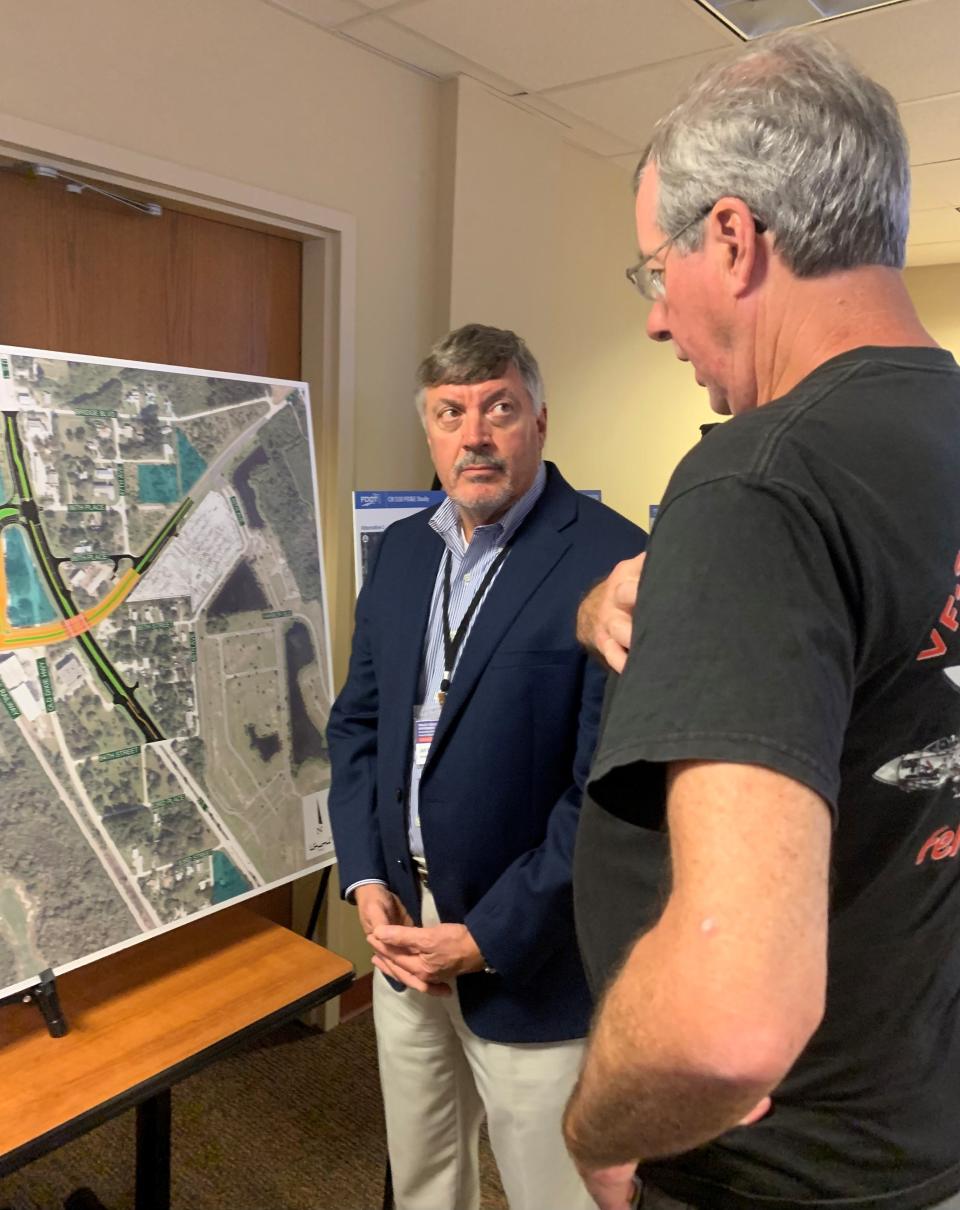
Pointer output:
x,y
814,147
477,353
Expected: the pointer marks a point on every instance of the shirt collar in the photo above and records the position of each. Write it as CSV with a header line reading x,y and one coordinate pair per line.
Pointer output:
x,y
446,520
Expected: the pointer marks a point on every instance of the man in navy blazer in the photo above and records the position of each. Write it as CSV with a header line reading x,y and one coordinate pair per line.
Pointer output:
x,y
460,744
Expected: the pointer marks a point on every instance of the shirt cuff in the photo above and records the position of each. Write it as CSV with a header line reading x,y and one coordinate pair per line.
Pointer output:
x,y
348,893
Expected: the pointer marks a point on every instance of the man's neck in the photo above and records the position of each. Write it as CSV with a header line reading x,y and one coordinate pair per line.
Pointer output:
x,y
470,521
816,319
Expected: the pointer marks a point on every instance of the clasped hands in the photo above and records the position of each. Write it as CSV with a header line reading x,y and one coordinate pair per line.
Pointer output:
x,y
425,958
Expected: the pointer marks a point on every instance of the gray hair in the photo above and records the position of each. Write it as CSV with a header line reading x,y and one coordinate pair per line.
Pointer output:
x,y
476,353
814,147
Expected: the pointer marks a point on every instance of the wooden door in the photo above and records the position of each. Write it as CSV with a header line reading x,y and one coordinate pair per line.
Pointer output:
x,y
84,274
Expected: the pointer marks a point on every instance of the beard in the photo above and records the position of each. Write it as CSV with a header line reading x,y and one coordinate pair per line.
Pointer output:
x,y
482,501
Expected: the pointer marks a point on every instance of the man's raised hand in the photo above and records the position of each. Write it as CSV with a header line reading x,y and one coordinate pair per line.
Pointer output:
x,y
605,616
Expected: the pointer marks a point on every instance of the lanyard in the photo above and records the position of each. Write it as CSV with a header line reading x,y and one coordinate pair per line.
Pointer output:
x,y
452,642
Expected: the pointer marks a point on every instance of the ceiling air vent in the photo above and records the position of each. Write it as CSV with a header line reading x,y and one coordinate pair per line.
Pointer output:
x,y
752,18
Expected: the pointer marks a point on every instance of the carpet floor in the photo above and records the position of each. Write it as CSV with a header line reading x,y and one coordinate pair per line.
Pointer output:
x,y
294,1122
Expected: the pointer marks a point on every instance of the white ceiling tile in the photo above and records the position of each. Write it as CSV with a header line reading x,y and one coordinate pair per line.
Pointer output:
x,y
935,185
325,13
911,48
629,105
933,254
547,43
934,226
933,127
384,35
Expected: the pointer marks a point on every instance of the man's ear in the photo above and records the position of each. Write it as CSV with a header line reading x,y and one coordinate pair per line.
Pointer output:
x,y
732,229
542,423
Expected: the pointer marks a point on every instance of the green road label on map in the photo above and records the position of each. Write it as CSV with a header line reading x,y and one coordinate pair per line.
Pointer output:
x,y
155,625
97,413
158,803
277,613
133,750
193,646
194,857
236,508
43,671
9,704
121,480
86,508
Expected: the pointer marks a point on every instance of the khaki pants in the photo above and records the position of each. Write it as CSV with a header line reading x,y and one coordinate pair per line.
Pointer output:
x,y
439,1080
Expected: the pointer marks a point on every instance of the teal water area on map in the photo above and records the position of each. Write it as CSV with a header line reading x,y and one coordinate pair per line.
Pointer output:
x,y
157,483
192,465
228,882
27,600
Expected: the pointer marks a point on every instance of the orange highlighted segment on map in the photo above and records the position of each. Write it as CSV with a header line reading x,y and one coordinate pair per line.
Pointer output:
x,y
69,628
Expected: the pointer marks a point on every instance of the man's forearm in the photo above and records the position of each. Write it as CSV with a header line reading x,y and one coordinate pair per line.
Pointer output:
x,y
714,1005
642,1094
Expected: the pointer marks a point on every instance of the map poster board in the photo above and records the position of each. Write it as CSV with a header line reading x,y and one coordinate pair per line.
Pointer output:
x,y
165,673
373,512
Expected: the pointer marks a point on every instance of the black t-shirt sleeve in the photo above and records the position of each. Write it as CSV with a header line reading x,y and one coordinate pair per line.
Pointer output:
x,y
743,647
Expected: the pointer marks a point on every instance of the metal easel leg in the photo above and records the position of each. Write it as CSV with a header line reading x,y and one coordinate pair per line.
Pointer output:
x,y
153,1153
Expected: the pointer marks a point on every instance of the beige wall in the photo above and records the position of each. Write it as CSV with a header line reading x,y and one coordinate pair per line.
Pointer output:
x,y
542,233
253,94
935,290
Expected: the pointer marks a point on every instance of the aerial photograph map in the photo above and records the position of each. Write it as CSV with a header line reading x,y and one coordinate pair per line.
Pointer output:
x,y
165,673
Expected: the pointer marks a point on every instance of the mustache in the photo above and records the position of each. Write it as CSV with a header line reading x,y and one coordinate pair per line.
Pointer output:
x,y
474,459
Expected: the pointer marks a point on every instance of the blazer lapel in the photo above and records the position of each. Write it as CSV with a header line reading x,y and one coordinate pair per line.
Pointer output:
x,y
409,608
534,553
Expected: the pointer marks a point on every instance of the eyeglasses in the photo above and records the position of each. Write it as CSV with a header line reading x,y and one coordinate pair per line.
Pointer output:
x,y
650,282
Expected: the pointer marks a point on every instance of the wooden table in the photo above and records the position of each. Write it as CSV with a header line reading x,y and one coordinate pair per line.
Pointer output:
x,y
143,1019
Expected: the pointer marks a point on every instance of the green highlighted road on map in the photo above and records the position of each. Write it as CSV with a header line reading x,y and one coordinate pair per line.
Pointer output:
x,y
162,537
94,653
42,550
30,514
9,512
14,443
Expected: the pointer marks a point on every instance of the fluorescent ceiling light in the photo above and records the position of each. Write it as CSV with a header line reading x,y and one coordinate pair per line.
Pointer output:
x,y
753,18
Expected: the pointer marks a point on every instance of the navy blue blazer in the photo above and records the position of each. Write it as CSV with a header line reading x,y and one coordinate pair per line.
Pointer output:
x,y
500,792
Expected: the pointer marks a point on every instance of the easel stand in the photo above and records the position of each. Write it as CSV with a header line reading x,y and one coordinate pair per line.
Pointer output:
x,y
318,903
44,994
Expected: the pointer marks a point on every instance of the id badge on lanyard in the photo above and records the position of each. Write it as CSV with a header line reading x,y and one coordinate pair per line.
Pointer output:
x,y
425,719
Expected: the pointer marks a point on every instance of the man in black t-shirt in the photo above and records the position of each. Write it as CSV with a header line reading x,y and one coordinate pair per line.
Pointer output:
x,y
767,874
